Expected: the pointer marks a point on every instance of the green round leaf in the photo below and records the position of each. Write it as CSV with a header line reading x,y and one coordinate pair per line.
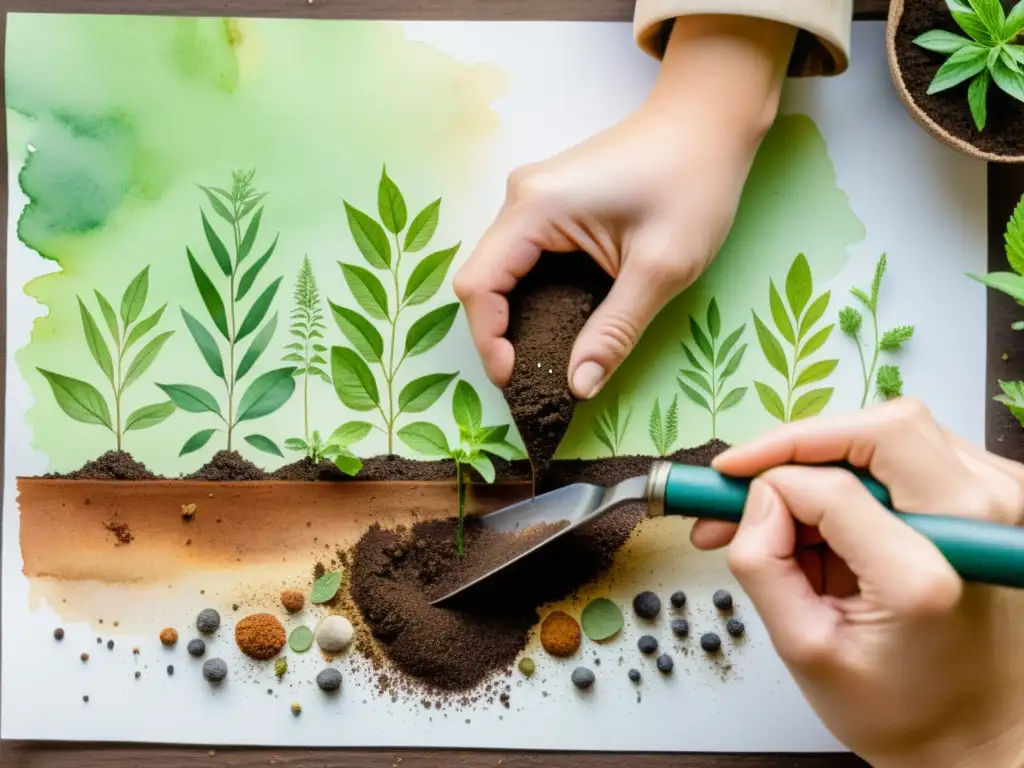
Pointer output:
x,y
326,587
301,639
601,619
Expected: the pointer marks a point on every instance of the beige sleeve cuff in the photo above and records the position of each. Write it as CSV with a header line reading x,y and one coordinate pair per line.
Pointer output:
x,y
822,45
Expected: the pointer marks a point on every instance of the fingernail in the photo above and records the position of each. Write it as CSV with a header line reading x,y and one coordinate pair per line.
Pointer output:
x,y
588,379
761,502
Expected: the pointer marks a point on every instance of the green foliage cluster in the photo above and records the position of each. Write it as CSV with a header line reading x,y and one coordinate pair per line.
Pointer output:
x,y
990,52
664,431
611,425
795,321
81,400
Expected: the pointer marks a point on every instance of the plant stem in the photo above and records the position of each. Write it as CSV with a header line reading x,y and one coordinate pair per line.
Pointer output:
x,y
714,389
231,341
392,369
117,391
874,359
460,482
863,368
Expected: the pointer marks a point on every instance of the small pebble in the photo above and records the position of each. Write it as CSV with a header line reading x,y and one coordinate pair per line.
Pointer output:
x,y
170,669
58,634
735,627
110,645
582,678
665,663
84,657
169,636
138,675
647,605
678,599
680,627
234,606
99,641
85,699
334,634
329,680
196,647
527,666
647,644
215,670
208,621
710,642
634,675
722,600
296,709
293,600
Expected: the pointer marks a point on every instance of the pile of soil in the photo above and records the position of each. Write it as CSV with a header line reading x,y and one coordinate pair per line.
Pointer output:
x,y
547,310
395,574
112,465
1004,128
392,467
228,465
613,470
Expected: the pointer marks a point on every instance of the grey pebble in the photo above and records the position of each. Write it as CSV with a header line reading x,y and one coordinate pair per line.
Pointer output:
x,y
58,634
329,680
634,675
582,678
665,663
680,627
710,642
735,627
647,644
208,621
170,669
722,600
215,670
196,647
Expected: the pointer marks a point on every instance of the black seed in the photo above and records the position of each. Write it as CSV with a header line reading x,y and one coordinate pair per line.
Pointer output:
x,y
329,680
196,647
722,600
110,645
215,670
138,675
99,641
85,699
170,669
58,634
678,599
647,605
735,627
647,644
680,627
665,663
208,621
634,675
710,642
582,678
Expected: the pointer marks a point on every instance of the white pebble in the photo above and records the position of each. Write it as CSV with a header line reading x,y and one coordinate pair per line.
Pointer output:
x,y
334,634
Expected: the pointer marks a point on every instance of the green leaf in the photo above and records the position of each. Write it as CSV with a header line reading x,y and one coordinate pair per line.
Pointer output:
x,y
814,313
483,466
109,316
191,398
211,298
799,285
779,315
816,342
728,344
1014,22
1010,82
896,338
771,347
692,358
134,298
491,434
1013,57
426,439
672,423
466,408
428,331
601,619
602,435
697,379
300,639
992,16
258,311
78,399
367,290
993,56
256,348
940,41
734,363
249,239
422,227
977,94
207,346
370,238
862,297
253,272
350,432
97,346
263,443
428,275
266,394
219,208
733,398
143,327
419,394
694,395
816,372
326,587
197,441
220,253
811,403
972,24
701,340
296,444
348,462
1013,237
360,332
353,380
503,449
771,401
714,320
391,204
144,359
654,428
965,63
1005,282
149,416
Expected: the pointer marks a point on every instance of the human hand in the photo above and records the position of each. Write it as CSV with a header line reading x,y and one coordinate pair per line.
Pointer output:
x,y
903,662
650,199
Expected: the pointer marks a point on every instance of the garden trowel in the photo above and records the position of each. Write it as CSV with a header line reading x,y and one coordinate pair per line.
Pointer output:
x,y
979,551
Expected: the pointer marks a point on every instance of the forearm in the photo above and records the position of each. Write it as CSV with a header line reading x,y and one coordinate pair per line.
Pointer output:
x,y
1005,750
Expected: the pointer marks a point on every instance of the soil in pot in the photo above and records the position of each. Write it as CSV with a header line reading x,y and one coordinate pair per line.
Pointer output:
x,y
112,465
1004,129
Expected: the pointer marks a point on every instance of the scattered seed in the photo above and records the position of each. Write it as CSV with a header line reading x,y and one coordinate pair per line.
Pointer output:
x,y
582,678
710,642
329,680
735,627
634,675
234,606
680,627
208,621
99,641
84,657
722,600
110,645
527,666
215,670
678,599
647,605
135,651
665,663
296,709
85,699
647,644
137,674
280,667
188,511
196,647
58,634
170,669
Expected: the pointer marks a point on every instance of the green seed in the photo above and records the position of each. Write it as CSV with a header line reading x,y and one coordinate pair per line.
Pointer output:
x,y
280,667
527,667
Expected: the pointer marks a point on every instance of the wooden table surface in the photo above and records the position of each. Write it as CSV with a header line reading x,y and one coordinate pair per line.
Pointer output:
x,y
1005,186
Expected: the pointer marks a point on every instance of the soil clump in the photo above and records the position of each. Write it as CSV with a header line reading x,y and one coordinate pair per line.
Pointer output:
x,y
112,465
260,636
228,465
392,467
121,531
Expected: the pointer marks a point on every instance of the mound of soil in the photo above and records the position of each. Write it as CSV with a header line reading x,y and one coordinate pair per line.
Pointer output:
x,y
547,310
1004,128
394,468
395,574
228,465
112,465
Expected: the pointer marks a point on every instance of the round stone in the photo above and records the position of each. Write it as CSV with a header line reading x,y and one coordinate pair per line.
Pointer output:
x,y
582,678
196,647
647,605
680,627
735,627
215,670
665,663
722,600
634,675
335,634
208,621
678,600
647,644
710,642
329,680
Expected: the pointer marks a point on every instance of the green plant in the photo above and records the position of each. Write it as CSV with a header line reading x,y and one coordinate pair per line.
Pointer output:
x,y
334,448
609,428
988,54
795,326
81,400
475,445
269,391
710,376
383,246
308,326
664,431
888,382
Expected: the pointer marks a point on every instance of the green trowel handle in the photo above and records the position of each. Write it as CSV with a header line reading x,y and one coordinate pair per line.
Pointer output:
x,y
979,551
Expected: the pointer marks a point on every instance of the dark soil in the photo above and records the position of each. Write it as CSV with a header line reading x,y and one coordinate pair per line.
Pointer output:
x,y
121,531
112,465
394,575
547,310
394,468
228,465
1004,129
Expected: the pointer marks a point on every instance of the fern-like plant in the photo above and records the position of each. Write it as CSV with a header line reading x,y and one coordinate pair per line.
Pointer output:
x,y
610,426
306,353
664,431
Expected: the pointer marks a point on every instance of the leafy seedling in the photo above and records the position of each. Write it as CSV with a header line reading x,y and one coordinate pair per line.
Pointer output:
x,y
326,587
610,425
301,639
887,382
990,52
664,431
704,383
384,244
476,444
795,325
601,619
334,449
266,393
81,400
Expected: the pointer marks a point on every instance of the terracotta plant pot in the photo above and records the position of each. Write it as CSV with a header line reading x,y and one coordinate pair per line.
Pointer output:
x,y
896,9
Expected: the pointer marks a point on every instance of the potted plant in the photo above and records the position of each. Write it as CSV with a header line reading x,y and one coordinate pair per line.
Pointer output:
x,y
958,66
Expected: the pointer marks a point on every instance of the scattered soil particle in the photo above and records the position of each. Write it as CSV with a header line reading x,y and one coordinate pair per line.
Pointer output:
x,y
560,634
228,465
121,530
85,699
58,634
112,465
170,669
260,636
293,600
84,657
547,310
188,512
169,636
1004,128
110,645
296,709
